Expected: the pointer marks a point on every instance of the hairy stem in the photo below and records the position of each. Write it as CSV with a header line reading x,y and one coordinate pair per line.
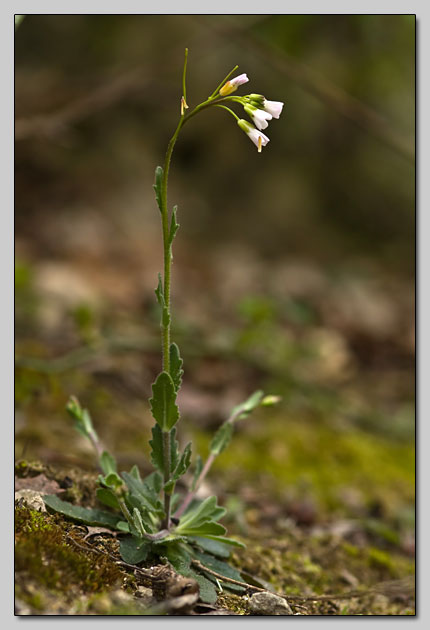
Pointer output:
x,y
167,255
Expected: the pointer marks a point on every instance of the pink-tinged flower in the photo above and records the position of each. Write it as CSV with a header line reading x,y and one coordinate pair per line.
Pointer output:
x,y
259,116
258,138
273,107
233,84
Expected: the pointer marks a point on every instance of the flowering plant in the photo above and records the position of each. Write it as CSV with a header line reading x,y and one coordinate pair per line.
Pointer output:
x,y
155,520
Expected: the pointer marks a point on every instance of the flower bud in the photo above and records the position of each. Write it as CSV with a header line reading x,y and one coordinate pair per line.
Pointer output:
x,y
233,84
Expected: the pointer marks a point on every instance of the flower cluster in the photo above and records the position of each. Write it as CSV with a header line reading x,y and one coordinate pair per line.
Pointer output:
x,y
258,108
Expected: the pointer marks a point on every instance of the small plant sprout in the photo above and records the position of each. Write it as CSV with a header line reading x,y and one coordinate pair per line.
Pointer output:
x,y
156,520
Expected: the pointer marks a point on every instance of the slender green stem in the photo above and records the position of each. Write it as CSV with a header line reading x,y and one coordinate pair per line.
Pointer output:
x,y
184,74
229,110
167,255
222,82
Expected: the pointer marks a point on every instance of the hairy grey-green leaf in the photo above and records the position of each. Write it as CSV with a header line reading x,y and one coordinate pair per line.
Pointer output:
x,y
86,515
222,438
163,407
207,510
158,185
133,550
176,371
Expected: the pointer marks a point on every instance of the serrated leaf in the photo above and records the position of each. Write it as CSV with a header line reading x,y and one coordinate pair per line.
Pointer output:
x,y
222,438
198,467
176,371
107,497
134,550
163,407
107,463
89,516
174,225
158,185
157,448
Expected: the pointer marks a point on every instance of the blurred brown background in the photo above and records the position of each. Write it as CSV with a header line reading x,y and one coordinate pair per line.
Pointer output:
x,y
293,269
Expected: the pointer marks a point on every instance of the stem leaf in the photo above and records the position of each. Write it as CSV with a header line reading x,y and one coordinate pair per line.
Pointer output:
x,y
163,407
158,186
174,226
180,469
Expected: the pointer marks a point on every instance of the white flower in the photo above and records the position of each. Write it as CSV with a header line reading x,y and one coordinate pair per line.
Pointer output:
x,y
259,116
274,108
233,84
258,138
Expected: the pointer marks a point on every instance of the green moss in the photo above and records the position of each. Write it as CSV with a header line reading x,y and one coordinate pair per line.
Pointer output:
x,y
314,455
44,555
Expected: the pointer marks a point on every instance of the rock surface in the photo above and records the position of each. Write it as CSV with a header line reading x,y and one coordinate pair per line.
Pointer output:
x,y
268,604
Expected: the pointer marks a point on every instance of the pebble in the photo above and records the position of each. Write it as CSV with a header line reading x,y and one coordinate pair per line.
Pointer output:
x,y
31,499
269,604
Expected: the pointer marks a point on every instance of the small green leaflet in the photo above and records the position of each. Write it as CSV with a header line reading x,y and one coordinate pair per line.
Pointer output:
x,y
83,422
222,438
133,550
176,371
174,226
249,405
159,291
180,469
163,407
158,185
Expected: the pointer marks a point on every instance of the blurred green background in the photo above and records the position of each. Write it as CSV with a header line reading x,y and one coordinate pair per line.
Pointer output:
x,y
293,270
